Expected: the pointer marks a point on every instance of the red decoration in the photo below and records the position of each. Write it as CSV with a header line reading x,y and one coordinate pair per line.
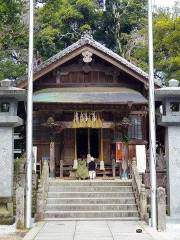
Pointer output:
x,y
118,151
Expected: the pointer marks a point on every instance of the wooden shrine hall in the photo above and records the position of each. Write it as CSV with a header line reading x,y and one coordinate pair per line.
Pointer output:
x,y
87,100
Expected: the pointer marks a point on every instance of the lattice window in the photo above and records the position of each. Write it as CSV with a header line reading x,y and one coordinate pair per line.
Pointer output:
x,y
135,130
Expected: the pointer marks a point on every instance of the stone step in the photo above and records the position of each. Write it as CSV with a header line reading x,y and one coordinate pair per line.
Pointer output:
x,y
95,219
91,201
90,183
90,194
91,207
90,189
91,214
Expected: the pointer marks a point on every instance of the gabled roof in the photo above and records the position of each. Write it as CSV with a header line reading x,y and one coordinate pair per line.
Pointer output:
x,y
87,41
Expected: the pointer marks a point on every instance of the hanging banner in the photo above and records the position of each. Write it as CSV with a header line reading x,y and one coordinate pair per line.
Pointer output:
x,y
141,158
118,151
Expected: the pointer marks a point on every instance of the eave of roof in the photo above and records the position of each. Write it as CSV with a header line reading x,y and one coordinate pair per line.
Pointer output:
x,y
89,95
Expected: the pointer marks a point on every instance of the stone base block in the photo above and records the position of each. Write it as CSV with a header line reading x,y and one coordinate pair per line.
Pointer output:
x,y
6,211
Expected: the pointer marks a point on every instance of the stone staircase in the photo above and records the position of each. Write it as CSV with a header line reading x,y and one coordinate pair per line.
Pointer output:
x,y
89,200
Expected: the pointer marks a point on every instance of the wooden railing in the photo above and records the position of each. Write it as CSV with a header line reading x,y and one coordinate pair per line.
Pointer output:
x,y
139,191
42,192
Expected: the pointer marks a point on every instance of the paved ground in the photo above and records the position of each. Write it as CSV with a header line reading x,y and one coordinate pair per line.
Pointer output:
x,y
92,230
10,233
89,230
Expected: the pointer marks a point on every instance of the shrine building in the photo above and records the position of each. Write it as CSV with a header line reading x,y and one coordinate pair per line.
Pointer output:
x,y
87,100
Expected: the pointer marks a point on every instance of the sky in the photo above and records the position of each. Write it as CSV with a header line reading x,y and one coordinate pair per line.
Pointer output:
x,y
164,3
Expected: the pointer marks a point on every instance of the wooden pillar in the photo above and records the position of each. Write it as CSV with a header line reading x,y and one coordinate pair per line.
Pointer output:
x,y
89,143
113,167
102,157
102,151
75,144
52,157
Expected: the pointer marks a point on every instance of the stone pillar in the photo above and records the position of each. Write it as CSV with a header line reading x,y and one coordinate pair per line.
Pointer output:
x,y
161,209
114,167
40,204
52,158
173,152
61,168
9,97
20,208
6,161
6,175
170,119
143,203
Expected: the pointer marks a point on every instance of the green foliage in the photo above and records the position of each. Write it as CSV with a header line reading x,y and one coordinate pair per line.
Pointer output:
x,y
13,39
119,20
166,46
61,22
125,139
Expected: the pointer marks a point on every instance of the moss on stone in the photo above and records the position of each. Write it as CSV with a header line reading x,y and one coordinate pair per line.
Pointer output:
x,y
19,225
6,220
19,165
6,215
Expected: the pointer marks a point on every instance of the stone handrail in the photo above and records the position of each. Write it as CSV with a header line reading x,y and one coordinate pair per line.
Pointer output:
x,y
42,192
139,191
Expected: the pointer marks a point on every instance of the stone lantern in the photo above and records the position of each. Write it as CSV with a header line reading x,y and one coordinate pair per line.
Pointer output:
x,y
9,97
170,119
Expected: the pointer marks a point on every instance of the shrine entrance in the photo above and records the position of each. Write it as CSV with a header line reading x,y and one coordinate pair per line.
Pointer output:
x,y
87,142
94,143
82,142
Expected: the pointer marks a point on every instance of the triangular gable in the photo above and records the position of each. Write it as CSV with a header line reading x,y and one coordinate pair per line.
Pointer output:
x,y
88,43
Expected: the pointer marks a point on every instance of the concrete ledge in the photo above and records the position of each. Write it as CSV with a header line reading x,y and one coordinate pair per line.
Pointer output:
x,y
34,231
10,121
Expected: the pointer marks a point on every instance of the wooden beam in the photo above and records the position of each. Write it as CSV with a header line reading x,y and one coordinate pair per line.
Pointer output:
x,y
68,124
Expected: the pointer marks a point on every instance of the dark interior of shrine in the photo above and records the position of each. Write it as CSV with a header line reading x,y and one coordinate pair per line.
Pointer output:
x,y
94,142
82,142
